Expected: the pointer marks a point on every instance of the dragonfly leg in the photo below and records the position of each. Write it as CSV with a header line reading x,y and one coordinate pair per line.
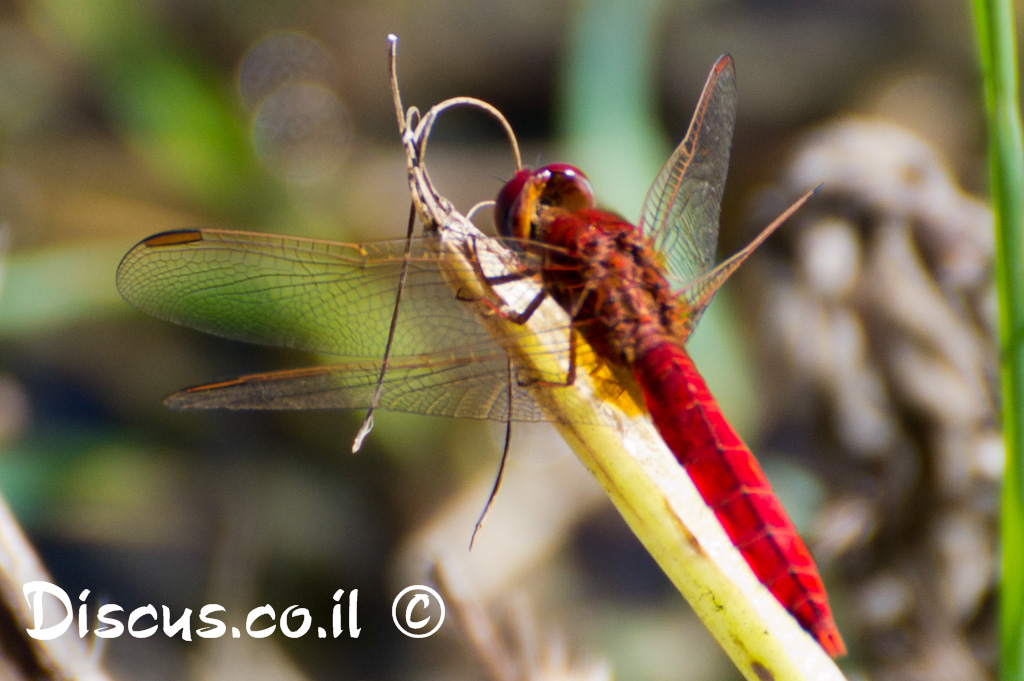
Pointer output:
x,y
523,316
511,276
502,309
570,374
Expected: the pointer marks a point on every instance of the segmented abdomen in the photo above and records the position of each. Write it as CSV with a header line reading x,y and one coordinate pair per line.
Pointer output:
x,y
733,485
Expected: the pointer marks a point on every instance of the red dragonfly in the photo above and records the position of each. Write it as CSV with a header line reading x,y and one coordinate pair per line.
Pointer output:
x,y
633,293
615,280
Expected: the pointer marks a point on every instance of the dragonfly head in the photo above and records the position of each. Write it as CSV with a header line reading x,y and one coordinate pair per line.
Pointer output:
x,y
531,199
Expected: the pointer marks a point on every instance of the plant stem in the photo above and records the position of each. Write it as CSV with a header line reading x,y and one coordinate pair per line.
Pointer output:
x,y
994,23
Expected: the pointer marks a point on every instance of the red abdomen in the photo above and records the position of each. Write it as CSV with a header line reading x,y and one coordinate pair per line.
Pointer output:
x,y
733,485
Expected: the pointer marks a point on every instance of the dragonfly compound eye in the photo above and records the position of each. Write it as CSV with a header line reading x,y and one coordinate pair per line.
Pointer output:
x,y
565,187
507,206
523,199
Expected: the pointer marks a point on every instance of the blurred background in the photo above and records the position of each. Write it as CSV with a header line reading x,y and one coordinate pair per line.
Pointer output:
x,y
854,353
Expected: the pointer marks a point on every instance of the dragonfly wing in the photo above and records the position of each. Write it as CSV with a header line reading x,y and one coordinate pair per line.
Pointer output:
x,y
337,299
463,387
682,207
304,294
700,292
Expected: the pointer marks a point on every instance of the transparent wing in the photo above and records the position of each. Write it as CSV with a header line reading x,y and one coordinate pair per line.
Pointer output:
x,y
329,298
682,207
699,292
477,389
305,294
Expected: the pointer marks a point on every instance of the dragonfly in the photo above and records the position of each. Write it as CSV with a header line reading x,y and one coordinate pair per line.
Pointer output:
x,y
632,293
616,281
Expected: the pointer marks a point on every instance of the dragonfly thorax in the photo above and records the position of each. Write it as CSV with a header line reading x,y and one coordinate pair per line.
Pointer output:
x,y
608,276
